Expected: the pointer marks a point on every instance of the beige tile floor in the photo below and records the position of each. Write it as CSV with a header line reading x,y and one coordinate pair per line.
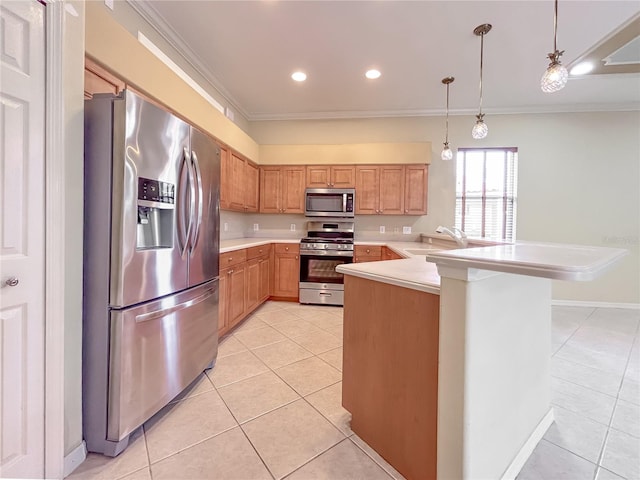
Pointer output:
x,y
271,407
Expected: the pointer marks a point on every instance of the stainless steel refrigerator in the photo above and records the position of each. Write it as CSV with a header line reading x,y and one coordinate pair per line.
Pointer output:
x,y
151,245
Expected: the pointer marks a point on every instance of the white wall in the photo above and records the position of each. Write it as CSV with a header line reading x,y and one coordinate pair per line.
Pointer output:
x,y
578,181
129,18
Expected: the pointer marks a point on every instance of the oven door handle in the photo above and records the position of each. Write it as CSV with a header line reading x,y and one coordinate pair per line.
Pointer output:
x,y
327,253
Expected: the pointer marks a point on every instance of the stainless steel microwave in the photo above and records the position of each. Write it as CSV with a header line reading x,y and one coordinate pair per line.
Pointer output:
x,y
329,202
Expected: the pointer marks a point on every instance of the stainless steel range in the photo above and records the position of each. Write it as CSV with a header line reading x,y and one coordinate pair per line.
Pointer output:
x,y
327,245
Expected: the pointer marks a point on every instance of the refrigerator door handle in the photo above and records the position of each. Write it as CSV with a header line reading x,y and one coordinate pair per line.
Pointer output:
x,y
145,317
183,237
198,187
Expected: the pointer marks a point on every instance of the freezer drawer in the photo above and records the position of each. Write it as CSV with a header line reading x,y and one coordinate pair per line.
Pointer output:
x,y
156,350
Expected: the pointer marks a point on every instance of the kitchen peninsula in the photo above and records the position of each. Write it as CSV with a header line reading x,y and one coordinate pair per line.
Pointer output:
x,y
446,374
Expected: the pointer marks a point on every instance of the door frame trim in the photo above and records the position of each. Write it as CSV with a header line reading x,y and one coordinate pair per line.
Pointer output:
x,y
54,300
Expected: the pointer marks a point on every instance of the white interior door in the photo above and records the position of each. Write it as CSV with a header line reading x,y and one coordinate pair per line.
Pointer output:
x,y
22,95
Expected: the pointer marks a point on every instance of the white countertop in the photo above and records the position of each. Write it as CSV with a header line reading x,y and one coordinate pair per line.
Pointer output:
x,y
240,243
547,260
413,273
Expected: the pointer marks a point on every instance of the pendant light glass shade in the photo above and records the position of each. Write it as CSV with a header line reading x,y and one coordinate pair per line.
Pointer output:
x,y
480,129
556,75
554,78
447,154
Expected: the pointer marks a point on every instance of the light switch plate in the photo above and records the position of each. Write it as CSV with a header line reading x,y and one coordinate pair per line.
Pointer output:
x,y
256,227
293,227
406,230
382,228
225,227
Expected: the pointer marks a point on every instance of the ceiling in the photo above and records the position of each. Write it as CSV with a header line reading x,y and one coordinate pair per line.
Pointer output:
x,y
248,50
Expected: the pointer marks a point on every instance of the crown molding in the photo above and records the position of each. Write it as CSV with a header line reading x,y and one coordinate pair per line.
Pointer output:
x,y
523,110
148,12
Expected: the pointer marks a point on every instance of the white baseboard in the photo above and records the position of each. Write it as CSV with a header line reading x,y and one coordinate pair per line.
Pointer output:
x,y
578,303
523,455
74,459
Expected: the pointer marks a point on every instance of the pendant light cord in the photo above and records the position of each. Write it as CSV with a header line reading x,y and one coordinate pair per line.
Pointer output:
x,y
555,28
481,55
446,137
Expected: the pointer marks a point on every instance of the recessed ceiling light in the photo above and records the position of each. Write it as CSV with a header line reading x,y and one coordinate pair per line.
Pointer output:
x,y
372,74
582,68
299,76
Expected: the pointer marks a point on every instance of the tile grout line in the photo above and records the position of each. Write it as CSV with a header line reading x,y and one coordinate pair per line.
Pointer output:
x,y
239,425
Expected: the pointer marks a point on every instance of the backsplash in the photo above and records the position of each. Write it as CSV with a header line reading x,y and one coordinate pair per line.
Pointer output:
x,y
367,227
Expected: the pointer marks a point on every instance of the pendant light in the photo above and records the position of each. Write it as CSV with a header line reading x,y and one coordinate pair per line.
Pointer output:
x,y
556,75
480,129
447,154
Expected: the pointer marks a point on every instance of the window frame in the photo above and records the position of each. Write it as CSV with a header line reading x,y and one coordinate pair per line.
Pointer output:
x,y
510,155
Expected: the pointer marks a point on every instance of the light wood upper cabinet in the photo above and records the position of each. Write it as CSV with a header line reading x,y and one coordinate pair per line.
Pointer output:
x,y
270,185
282,189
251,187
293,189
367,189
225,178
380,189
238,182
415,194
391,189
331,176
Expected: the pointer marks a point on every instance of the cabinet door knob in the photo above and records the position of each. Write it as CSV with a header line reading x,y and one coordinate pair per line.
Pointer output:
x,y
286,248
368,251
406,210
230,259
11,282
230,272
296,257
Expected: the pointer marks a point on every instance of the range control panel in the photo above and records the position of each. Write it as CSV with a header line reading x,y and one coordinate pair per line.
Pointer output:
x,y
156,191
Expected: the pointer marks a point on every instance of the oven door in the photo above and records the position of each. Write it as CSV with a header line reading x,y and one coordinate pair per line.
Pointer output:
x,y
319,281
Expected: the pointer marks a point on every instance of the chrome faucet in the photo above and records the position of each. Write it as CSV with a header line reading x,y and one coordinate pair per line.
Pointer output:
x,y
458,235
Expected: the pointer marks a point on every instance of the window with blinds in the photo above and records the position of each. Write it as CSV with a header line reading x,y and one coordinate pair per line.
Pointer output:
x,y
486,192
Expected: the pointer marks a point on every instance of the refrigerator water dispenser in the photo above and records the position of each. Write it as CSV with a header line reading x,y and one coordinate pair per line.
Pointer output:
x,y
156,207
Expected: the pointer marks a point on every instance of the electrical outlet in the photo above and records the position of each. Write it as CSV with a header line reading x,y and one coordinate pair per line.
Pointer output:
x,y
293,227
406,230
225,227
381,228
256,227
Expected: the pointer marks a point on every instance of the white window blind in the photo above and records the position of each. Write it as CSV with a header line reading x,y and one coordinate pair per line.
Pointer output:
x,y
486,192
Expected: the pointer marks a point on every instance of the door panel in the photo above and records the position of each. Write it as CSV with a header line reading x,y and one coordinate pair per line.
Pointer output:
x,y
157,349
367,189
203,258
150,144
392,190
270,185
22,239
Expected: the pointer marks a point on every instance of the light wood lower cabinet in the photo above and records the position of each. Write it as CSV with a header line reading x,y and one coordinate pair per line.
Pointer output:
x,y
286,270
367,253
397,367
388,254
244,284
